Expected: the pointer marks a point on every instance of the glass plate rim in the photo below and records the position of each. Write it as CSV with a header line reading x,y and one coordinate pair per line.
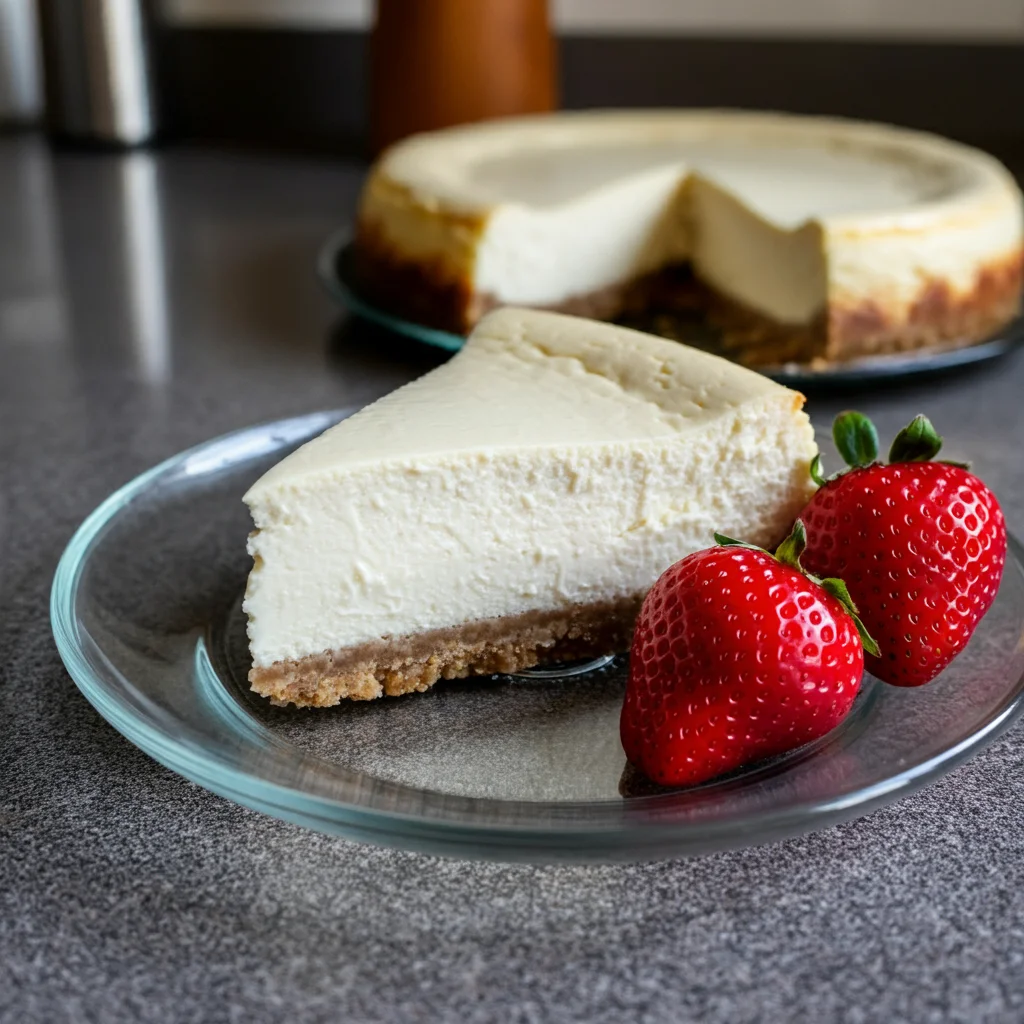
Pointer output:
x,y
889,367
634,838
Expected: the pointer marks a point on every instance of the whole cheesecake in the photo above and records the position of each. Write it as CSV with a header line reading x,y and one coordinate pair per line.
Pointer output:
x,y
799,238
511,507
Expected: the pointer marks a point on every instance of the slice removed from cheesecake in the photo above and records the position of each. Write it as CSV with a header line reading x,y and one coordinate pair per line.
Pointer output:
x,y
511,507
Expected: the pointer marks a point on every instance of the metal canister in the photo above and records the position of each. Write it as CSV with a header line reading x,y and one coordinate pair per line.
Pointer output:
x,y
98,69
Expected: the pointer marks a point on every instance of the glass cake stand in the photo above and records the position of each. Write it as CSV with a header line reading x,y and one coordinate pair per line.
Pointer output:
x,y
334,268
146,611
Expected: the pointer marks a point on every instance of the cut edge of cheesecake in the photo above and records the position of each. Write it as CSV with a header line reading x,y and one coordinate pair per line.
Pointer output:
x,y
569,388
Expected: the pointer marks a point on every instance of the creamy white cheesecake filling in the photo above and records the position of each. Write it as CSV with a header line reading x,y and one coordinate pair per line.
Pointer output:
x,y
553,462
541,256
781,273
357,558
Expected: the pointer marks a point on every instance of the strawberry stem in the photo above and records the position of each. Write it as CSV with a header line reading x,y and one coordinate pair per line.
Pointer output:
x,y
855,438
788,553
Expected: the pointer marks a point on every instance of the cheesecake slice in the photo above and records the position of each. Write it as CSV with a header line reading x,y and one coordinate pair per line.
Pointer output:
x,y
511,507
798,238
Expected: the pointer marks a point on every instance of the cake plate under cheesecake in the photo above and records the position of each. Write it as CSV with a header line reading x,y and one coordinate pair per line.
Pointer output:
x,y
336,273
146,612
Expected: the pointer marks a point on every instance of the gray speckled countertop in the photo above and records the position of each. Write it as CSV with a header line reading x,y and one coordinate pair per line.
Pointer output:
x,y
149,303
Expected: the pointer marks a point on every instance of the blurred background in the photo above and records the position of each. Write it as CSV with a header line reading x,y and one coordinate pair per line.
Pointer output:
x,y
295,74
169,169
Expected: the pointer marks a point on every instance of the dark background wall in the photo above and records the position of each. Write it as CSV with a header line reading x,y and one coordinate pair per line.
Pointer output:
x,y
306,90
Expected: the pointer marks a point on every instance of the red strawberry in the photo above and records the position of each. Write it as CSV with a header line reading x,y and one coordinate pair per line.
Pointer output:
x,y
737,656
920,544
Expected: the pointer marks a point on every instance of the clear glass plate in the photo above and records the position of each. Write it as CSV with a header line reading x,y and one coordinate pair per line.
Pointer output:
x,y
146,610
334,268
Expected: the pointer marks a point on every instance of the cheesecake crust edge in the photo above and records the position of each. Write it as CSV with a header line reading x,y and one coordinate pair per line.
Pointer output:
x,y
413,664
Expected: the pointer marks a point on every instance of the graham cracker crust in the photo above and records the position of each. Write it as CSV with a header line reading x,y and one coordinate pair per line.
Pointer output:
x,y
672,303
409,664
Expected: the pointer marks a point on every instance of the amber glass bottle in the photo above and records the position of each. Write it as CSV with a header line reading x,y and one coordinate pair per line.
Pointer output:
x,y
436,63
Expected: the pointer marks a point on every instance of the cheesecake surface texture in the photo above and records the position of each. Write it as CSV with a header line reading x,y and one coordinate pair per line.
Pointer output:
x,y
825,239
511,507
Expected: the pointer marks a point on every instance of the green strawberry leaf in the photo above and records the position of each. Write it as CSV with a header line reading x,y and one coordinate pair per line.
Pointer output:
x,y
790,550
728,542
856,438
816,474
919,441
837,588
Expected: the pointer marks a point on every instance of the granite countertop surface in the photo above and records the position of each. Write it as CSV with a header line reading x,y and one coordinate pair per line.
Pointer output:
x,y
150,302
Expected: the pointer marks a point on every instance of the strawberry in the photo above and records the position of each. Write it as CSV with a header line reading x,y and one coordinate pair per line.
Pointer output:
x,y
738,655
921,545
